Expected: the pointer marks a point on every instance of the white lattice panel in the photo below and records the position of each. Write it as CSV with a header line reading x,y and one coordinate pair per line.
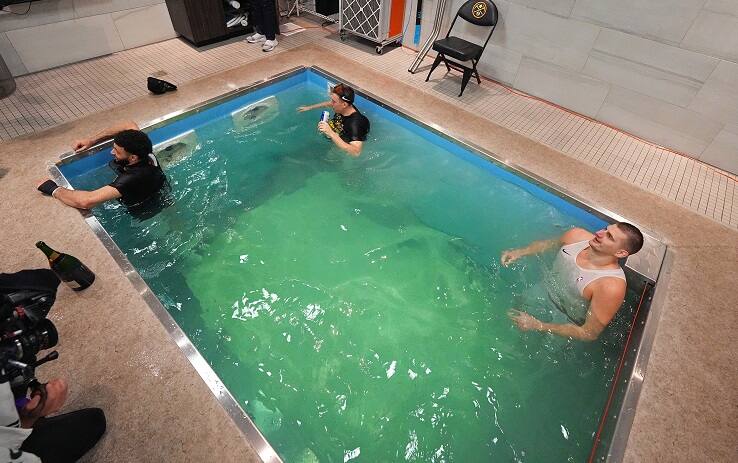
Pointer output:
x,y
362,17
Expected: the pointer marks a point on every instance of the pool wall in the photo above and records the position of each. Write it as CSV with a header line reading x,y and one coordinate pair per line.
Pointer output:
x,y
643,274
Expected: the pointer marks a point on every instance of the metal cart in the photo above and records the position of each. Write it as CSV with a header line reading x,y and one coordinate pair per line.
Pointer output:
x,y
379,21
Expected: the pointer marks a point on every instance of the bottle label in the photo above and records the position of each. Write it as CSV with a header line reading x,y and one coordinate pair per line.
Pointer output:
x,y
73,284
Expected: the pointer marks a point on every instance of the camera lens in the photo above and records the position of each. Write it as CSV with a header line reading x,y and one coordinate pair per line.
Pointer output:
x,y
46,335
40,337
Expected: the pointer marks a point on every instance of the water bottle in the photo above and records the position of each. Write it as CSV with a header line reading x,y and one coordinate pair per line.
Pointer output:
x,y
324,118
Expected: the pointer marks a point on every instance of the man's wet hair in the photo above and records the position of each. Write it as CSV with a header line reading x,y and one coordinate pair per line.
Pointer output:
x,y
135,142
344,92
633,237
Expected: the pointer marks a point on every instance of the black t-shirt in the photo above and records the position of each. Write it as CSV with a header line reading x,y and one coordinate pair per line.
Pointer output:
x,y
138,182
351,128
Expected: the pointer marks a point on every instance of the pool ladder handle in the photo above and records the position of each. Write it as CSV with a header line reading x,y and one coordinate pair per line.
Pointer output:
x,y
440,9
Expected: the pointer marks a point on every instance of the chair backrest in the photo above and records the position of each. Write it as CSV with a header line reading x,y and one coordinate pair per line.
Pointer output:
x,y
479,12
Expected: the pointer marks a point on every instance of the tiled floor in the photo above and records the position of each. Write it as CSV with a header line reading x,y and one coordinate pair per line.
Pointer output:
x,y
51,97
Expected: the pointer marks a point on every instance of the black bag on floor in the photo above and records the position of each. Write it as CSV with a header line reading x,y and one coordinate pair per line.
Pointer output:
x,y
158,86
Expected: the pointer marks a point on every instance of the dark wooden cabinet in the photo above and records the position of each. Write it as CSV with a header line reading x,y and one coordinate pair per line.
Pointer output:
x,y
204,21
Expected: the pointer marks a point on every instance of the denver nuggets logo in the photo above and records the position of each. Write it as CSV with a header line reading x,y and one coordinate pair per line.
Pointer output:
x,y
479,9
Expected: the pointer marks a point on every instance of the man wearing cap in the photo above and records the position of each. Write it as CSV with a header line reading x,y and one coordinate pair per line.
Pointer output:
x,y
348,128
139,175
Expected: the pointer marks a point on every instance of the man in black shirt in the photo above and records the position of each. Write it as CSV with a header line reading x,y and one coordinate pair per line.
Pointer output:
x,y
348,127
139,175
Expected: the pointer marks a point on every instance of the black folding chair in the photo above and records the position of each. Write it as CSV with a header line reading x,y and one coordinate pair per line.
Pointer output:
x,y
480,13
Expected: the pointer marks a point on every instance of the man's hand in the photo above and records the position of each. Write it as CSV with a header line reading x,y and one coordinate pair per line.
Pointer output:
x,y
56,394
302,109
510,256
82,144
524,321
325,129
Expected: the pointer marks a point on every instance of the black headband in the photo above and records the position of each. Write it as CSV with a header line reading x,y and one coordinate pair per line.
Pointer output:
x,y
347,99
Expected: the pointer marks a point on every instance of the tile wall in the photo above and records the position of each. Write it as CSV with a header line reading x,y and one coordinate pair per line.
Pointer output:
x,y
666,71
57,32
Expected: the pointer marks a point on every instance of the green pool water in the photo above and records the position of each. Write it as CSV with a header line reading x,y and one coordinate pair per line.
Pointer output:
x,y
356,308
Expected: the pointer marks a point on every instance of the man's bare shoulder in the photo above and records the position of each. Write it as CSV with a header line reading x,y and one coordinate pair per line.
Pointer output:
x,y
609,288
576,235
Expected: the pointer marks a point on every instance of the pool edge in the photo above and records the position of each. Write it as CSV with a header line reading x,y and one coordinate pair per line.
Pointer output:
x,y
618,441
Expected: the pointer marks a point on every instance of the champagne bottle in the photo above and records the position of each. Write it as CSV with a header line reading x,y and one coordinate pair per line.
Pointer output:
x,y
68,268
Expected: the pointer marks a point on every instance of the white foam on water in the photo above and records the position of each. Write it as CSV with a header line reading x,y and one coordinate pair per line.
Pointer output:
x,y
391,369
343,227
151,247
243,258
351,454
371,251
564,432
412,374
312,311
273,297
412,447
249,309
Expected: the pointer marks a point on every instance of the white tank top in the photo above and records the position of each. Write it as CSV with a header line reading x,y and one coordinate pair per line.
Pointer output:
x,y
577,278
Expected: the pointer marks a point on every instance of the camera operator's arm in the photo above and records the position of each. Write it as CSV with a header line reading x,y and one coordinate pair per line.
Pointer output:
x,y
12,437
43,404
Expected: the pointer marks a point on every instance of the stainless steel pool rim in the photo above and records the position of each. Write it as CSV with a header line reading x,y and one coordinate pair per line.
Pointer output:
x,y
638,357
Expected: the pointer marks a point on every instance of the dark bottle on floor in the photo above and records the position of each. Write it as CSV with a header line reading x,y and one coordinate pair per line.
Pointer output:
x,y
68,268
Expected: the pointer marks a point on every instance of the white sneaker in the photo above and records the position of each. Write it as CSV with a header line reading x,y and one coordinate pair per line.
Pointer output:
x,y
256,38
269,45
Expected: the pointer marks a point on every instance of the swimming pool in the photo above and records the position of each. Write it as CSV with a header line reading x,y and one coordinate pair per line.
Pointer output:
x,y
355,308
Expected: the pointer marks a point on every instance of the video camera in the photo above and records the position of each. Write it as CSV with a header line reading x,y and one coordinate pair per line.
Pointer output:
x,y
26,298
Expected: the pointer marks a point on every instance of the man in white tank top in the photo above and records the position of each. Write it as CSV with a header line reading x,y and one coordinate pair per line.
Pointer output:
x,y
589,269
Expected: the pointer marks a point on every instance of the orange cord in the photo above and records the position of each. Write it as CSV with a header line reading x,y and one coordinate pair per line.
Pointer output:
x,y
615,380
